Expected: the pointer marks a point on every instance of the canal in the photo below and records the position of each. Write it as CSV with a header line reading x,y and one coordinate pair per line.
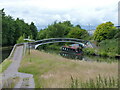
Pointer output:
x,y
5,52
81,57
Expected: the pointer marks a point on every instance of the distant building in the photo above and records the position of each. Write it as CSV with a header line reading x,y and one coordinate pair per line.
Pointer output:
x,y
91,32
118,27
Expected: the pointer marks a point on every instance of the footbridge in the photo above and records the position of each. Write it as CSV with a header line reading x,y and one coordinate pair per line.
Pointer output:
x,y
84,43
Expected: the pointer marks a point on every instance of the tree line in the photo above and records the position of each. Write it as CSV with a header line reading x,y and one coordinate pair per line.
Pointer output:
x,y
12,29
63,30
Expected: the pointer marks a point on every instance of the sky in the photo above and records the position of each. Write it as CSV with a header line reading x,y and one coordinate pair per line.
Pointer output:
x,y
45,12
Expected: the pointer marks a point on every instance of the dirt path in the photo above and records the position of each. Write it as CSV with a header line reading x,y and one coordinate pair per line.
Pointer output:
x,y
12,70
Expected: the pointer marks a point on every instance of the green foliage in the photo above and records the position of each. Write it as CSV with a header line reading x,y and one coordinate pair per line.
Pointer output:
x,y
33,31
105,31
21,39
106,48
102,53
78,26
56,30
12,29
89,51
117,35
109,46
78,33
63,30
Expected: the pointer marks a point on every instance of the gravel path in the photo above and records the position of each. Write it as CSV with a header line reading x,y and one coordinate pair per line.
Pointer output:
x,y
12,71
17,57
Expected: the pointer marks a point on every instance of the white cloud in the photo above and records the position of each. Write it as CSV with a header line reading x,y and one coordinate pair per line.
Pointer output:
x,y
44,12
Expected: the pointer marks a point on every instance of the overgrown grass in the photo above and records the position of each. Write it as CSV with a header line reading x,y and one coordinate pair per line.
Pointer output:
x,y
100,59
11,82
99,82
109,48
4,65
53,71
106,48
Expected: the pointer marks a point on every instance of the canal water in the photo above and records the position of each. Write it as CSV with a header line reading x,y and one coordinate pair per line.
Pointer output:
x,y
82,57
5,52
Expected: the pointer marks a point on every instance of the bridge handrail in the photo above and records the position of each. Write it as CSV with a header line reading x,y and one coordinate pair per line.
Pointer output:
x,y
60,39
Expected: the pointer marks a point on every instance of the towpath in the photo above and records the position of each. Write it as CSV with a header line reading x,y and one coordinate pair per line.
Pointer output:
x,y
12,71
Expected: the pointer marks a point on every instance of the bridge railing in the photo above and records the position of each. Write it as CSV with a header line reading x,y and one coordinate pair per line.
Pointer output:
x,y
58,39
54,40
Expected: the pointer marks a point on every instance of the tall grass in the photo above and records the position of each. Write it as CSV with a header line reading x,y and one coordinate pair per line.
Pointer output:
x,y
99,82
53,71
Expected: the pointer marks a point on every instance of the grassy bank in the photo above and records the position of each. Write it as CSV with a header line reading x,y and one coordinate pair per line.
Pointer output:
x,y
4,65
106,48
53,71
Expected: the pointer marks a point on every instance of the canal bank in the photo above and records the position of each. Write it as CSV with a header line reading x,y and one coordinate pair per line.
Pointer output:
x,y
83,57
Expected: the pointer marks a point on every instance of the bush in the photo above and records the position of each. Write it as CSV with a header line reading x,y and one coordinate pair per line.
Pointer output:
x,y
89,51
103,53
111,54
109,48
20,40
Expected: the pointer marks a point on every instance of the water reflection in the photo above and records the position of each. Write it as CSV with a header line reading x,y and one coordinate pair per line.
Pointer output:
x,y
5,52
82,57
71,55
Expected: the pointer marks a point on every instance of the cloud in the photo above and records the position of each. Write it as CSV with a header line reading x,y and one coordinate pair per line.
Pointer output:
x,y
45,12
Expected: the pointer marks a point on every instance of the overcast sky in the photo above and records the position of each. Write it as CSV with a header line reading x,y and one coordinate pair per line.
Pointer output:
x,y
45,12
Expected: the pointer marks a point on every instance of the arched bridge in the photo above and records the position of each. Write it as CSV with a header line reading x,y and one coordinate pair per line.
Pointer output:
x,y
84,43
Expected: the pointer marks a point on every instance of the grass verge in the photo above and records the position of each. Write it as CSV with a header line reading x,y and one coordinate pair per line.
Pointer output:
x,y
54,71
4,65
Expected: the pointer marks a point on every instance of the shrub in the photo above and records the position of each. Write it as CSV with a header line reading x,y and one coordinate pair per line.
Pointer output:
x,y
89,51
21,39
103,53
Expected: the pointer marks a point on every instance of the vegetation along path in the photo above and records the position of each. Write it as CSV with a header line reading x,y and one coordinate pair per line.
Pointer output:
x,y
25,80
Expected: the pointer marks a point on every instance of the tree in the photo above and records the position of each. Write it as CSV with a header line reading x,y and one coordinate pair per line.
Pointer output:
x,y
21,39
12,29
78,26
68,23
33,30
117,35
78,33
42,34
104,31
60,29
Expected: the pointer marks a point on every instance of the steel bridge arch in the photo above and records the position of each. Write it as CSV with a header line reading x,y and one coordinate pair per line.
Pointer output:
x,y
55,40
